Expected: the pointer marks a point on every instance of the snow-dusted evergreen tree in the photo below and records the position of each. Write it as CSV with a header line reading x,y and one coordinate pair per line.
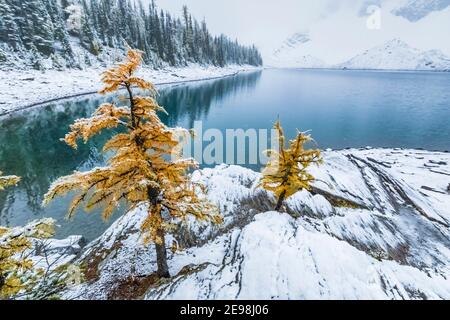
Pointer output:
x,y
9,31
41,25
88,36
169,41
74,19
188,34
60,32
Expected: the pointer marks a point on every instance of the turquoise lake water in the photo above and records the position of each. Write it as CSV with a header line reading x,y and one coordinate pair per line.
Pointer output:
x,y
340,108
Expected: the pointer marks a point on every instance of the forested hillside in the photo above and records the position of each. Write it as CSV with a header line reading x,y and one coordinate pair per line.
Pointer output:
x,y
79,33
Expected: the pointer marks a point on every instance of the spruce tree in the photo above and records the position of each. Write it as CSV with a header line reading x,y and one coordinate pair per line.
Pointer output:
x,y
169,41
60,30
188,34
9,31
158,35
42,27
88,35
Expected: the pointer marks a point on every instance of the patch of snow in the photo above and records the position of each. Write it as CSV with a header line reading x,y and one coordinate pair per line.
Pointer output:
x,y
21,88
276,258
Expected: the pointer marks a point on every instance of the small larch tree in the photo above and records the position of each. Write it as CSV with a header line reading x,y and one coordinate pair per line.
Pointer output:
x,y
146,165
17,272
7,181
286,172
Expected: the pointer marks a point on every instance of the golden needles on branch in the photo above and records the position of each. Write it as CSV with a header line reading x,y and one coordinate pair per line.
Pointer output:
x,y
286,172
146,165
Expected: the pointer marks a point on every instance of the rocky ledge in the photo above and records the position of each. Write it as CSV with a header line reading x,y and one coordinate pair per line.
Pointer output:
x,y
374,226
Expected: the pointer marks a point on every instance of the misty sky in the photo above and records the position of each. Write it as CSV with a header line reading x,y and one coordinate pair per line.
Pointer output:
x,y
337,27
255,21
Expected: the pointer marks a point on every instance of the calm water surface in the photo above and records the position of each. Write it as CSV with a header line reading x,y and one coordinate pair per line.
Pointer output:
x,y
341,108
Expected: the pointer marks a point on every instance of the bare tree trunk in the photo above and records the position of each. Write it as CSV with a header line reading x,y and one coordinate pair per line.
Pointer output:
x,y
161,253
2,281
280,201
153,196
161,257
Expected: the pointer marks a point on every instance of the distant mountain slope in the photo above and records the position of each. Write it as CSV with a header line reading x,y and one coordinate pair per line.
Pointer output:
x,y
291,54
398,55
414,10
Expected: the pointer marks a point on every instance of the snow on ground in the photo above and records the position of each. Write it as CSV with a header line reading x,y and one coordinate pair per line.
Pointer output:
x,y
21,88
274,257
48,254
394,245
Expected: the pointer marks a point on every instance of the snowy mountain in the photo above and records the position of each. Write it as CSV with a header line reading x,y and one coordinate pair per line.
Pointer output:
x,y
398,55
374,226
352,27
414,10
291,54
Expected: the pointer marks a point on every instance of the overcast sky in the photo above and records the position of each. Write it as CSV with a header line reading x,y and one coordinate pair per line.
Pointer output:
x,y
255,21
335,26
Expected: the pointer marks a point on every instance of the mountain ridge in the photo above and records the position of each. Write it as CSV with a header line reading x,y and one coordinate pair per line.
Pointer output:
x,y
290,55
396,54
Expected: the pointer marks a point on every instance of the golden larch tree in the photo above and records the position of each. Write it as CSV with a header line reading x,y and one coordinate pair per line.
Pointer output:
x,y
6,181
286,171
146,165
17,273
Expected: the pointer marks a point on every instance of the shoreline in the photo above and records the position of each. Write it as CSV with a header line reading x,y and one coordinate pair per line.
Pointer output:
x,y
419,71
170,78
82,94
91,79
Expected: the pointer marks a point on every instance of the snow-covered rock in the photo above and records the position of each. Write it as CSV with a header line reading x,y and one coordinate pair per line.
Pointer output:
x,y
51,254
291,54
47,253
398,55
375,226
275,257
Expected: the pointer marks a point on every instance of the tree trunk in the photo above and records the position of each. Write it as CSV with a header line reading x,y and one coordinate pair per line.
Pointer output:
x,y
280,201
2,282
161,257
161,253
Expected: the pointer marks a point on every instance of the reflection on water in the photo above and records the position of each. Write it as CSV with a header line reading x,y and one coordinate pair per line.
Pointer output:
x,y
30,148
342,109
187,103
